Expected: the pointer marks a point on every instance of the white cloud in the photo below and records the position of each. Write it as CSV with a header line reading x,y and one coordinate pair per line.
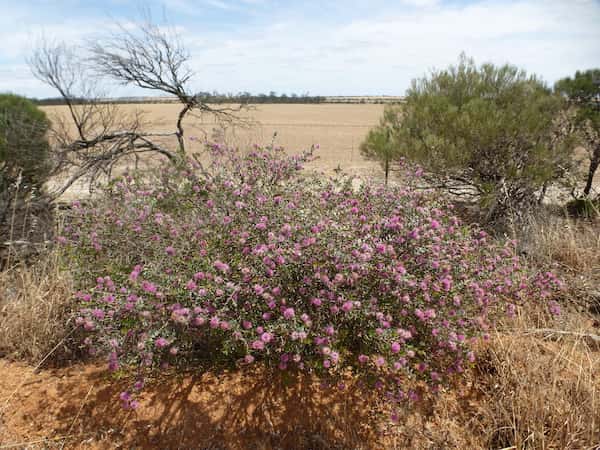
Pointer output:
x,y
420,3
376,53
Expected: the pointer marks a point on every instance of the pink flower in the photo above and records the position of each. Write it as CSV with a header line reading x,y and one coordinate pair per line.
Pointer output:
x,y
266,337
395,347
170,250
160,342
221,266
289,313
554,308
258,289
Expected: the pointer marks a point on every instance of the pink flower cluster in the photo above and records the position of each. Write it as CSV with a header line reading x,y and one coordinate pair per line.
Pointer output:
x,y
248,260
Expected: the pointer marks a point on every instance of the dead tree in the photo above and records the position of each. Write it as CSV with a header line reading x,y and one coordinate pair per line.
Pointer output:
x,y
154,59
97,134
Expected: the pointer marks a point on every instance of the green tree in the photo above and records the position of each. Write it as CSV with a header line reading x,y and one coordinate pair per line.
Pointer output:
x,y
380,143
583,92
24,148
482,131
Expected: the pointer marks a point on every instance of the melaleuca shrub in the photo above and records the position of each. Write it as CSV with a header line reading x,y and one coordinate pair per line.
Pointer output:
x,y
249,260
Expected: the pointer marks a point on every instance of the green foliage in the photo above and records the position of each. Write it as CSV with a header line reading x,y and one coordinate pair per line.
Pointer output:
x,y
584,91
380,143
23,142
488,128
584,207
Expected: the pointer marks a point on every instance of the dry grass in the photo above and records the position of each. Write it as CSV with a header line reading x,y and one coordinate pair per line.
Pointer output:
x,y
540,389
529,390
573,247
34,306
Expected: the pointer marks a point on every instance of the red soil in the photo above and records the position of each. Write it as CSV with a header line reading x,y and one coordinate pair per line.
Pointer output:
x,y
78,407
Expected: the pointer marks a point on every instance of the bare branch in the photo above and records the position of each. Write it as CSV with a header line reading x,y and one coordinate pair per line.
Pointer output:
x,y
97,133
151,57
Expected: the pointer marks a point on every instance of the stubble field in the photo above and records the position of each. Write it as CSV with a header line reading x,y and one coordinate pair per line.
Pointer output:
x,y
337,128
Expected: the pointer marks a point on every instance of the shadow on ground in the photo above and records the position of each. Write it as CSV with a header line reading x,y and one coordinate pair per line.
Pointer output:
x,y
250,409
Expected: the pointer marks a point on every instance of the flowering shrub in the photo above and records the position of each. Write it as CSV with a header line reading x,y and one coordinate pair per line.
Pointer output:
x,y
249,260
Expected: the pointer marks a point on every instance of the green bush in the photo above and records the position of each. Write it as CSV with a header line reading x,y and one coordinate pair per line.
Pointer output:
x,y
583,91
23,142
482,131
24,166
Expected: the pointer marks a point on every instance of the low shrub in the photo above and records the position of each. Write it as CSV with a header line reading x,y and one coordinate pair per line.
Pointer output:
x,y
245,260
584,207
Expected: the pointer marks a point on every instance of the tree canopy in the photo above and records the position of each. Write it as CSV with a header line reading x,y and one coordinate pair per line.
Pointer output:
x,y
583,92
482,131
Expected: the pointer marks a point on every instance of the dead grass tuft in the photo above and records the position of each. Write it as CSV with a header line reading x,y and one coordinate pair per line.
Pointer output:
x,y
573,247
531,388
539,388
34,309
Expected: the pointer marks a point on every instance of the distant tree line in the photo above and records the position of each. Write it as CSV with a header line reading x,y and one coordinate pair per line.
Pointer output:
x,y
51,101
271,97
206,97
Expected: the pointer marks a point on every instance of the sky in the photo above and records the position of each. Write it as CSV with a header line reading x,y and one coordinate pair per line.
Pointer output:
x,y
324,47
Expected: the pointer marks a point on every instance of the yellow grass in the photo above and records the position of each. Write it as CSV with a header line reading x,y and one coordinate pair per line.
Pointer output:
x,y
35,302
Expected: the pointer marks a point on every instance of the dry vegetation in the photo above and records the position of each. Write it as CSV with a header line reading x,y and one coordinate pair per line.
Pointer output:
x,y
573,246
34,303
536,384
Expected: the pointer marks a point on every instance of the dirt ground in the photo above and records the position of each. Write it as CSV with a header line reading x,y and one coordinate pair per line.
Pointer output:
x,y
78,407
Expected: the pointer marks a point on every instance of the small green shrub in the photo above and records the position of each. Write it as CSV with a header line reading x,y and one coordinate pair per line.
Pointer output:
x,y
584,207
24,167
24,146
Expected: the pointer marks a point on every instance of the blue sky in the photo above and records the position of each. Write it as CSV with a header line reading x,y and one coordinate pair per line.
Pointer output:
x,y
326,47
